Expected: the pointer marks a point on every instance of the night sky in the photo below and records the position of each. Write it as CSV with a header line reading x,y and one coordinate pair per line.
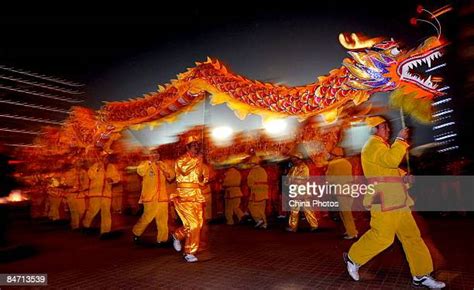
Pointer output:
x,y
125,55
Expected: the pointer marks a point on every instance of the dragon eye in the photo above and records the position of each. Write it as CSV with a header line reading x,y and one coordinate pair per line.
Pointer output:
x,y
395,51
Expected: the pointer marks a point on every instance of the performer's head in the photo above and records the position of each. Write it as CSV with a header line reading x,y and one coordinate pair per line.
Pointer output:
x,y
193,146
254,160
337,152
110,158
154,155
296,157
380,125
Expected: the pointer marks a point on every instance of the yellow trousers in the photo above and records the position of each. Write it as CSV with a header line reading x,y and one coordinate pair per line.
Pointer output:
x,y
97,204
257,210
77,208
232,206
157,211
345,212
208,212
117,203
54,203
294,218
383,228
192,217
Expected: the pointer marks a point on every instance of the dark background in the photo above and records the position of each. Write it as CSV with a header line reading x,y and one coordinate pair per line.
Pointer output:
x,y
123,54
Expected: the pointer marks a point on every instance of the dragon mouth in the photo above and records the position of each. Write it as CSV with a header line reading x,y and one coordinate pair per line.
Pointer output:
x,y
415,69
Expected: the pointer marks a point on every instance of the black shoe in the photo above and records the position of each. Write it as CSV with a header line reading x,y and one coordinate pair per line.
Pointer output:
x,y
105,236
88,231
166,244
136,239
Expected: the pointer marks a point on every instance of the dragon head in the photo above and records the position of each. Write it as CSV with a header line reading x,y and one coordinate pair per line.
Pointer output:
x,y
378,65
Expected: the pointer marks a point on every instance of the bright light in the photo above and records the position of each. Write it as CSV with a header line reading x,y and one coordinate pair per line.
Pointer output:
x,y
15,196
441,101
443,125
275,126
222,133
444,112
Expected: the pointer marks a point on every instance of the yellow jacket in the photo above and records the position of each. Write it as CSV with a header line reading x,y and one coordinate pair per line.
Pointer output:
x,y
257,180
54,184
77,181
379,161
301,171
206,173
188,171
231,183
339,171
154,180
98,179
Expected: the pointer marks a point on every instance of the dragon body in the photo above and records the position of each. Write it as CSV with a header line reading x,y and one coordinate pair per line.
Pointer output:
x,y
373,65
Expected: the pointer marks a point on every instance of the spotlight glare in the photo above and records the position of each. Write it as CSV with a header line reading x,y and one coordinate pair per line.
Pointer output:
x,y
222,133
275,126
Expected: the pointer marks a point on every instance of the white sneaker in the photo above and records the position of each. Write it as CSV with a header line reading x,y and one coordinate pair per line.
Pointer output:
x,y
352,268
190,258
176,244
428,281
259,223
347,237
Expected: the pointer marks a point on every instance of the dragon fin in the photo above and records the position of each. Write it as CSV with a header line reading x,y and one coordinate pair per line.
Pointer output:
x,y
418,108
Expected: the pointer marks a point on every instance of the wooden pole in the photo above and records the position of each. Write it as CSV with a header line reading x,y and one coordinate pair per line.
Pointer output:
x,y
402,117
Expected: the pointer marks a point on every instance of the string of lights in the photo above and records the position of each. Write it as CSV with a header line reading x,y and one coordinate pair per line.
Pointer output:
x,y
41,85
31,119
22,145
19,131
41,76
40,94
40,107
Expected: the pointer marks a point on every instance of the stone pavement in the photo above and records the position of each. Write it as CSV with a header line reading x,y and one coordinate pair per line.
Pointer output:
x,y
238,257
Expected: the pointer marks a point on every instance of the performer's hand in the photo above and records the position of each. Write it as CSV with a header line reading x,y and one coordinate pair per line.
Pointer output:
x,y
409,179
403,134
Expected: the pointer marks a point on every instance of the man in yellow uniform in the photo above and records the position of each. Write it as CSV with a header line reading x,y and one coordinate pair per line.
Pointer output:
x,y
299,173
206,190
54,196
389,208
77,182
102,175
339,171
117,196
233,195
188,199
257,181
153,197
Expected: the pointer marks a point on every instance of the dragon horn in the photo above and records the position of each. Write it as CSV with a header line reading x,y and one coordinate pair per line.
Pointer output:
x,y
354,41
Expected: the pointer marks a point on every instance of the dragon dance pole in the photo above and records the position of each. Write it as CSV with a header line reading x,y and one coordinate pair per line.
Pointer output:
x,y
402,117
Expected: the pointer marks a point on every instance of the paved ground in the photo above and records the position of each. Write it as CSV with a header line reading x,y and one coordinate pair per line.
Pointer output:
x,y
238,257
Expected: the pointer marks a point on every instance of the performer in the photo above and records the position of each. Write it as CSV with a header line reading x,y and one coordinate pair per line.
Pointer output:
x,y
188,199
77,182
299,172
206,191
233,194
154,197
117,195
257,181
54,196
339,171
102,175
389,208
